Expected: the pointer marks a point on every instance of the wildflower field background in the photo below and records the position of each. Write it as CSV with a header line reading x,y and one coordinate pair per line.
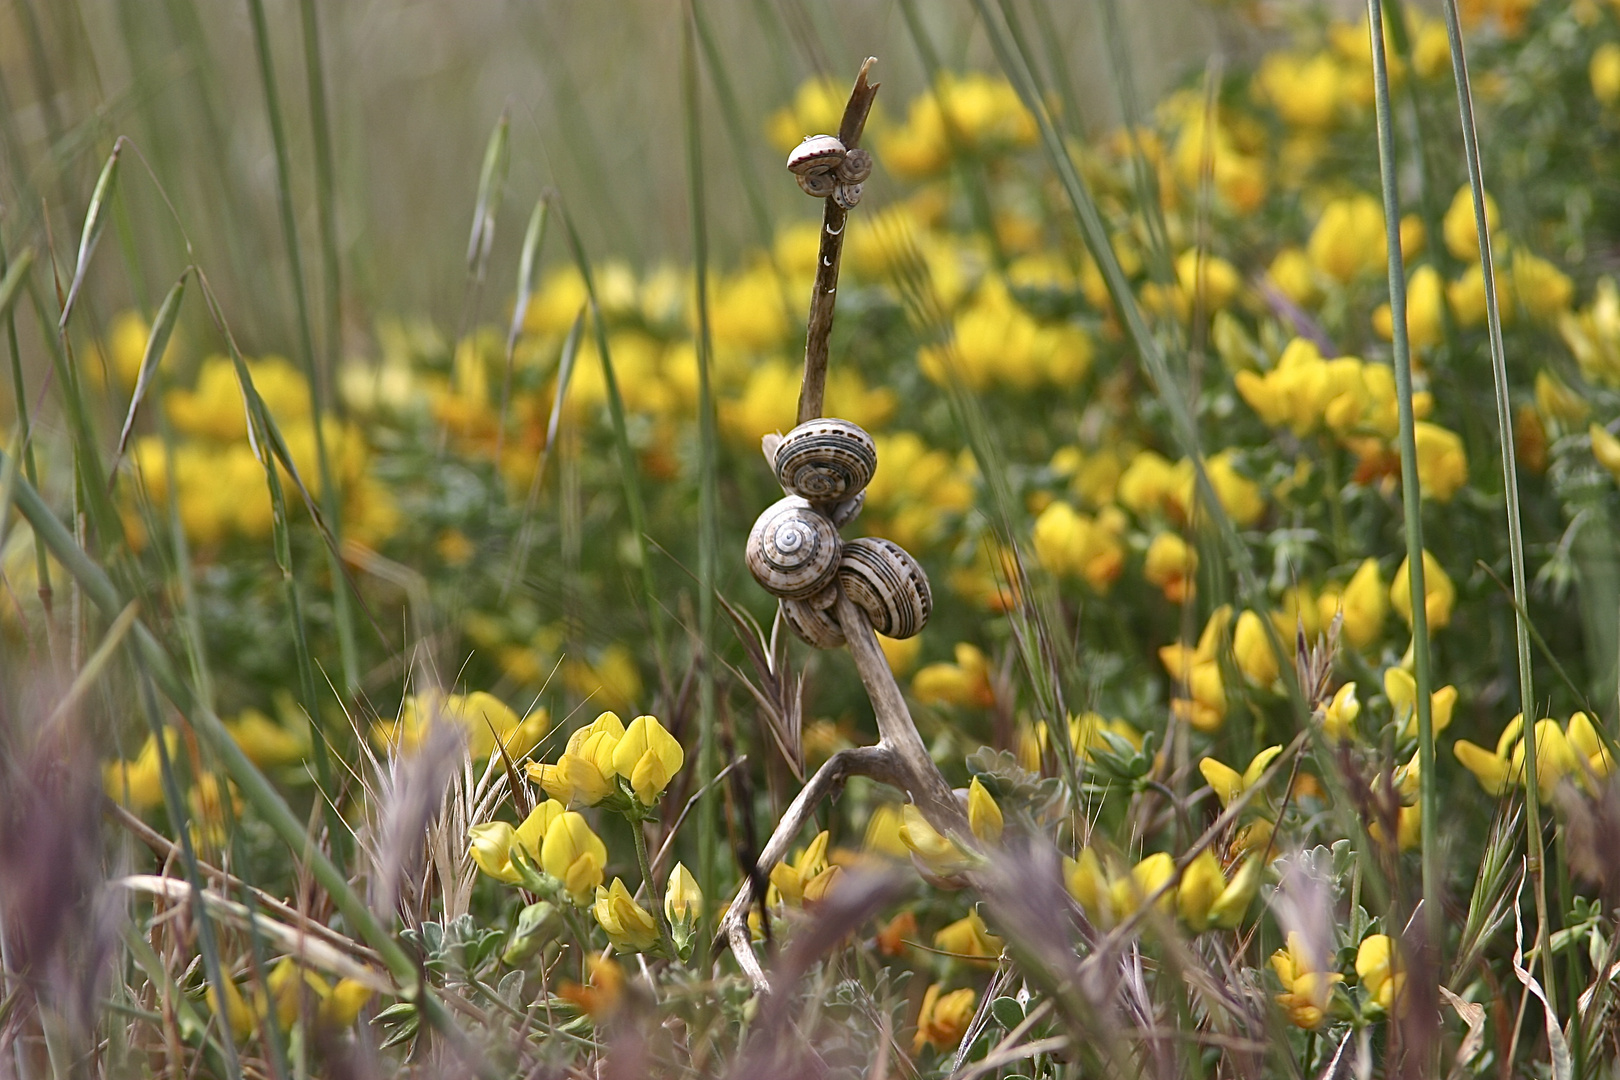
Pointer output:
x,y
383,688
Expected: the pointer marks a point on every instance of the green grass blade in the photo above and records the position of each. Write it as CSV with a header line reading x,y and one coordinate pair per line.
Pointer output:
x,y
627,455
709,860
342,612
156,343
491,190
1510,482
320,127
1411,495
12,277
736,129
534,236
94,221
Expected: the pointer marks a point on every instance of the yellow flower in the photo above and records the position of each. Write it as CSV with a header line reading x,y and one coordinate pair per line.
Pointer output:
x,y
531,834
490,846
1171,565
1442,466
1088,883
1605,73
1228,908
1401,689
1364,603
1376,969
1468,298
288,983
574,855
1131,891
1462,239
1544,291
342,1006
1238,495
1606,449
1498,771
818,106
1227,783
1585,741
944,1018
481,717
683,899
1306,990
1293,273
1199,673
789,880
629,926
1306,91
883,832
1201,883
237,1014
1070,544
1341,713
1558,404
938,853
1439,594
267,743
1253,652
984,816
583,775
966,682
1148,484
138,784
648,756
1349,238
968,937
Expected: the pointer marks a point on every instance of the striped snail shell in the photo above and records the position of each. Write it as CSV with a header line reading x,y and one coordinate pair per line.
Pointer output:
x,y
817,153
826,461
793,549
821,183
856,167
847,196
842,513
884,580
813,620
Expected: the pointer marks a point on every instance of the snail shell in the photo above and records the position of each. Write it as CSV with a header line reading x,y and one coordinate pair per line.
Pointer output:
x,y
843,513
820,183
813,619
793,550
817,153
888,584
847,196
856,166
826,461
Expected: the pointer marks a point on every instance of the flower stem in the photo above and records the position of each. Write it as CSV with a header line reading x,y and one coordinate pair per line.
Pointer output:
x,y
651,888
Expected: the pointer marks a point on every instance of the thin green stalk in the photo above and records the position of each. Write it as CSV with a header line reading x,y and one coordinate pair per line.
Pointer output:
x,y
736,128
708,479
342,613
325,179
627,456
651,887
1510,485
1411,495
11,278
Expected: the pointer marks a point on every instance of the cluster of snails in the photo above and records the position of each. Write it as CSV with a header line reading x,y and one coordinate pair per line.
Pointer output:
x,y
795,552
823,167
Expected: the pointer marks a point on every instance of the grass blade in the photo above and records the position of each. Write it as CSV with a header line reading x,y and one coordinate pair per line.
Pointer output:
x,y
1510,482
94,221
325,180
157,341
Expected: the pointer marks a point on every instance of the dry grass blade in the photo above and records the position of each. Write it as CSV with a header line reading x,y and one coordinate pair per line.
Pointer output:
x,y
157,343
94,222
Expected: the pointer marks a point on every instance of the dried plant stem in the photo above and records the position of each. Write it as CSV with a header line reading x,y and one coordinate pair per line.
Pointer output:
x,y
899,759
824,294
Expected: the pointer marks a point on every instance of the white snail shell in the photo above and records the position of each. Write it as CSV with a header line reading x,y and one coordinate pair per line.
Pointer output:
x,y
813,620
888,584
856,166
817,153
793,549
847,196
826,461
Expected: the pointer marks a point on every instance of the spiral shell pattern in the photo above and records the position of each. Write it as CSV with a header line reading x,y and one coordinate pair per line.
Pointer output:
x,y
888,584
817,153
855,167
814,621
793,549
826,461
842,513
847,196
820,184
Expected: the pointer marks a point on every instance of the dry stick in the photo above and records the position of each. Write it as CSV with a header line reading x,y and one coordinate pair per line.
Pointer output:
x,y
899,758
823,296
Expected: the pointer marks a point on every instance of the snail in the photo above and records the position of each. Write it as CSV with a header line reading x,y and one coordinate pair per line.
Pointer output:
x,y
884,580
820,184
842,513
793,549
817,153
826,461
847,196
855,167
813,619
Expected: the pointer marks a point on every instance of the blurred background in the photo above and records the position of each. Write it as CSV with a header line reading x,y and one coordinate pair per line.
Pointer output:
x,y
414,89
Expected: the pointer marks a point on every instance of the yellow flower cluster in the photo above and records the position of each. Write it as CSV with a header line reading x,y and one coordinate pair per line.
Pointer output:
x,y
1307,989
1205,896
479,717
971,114
557,841
1575,752
806,878
645,756
286,988
1074,545
997,343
